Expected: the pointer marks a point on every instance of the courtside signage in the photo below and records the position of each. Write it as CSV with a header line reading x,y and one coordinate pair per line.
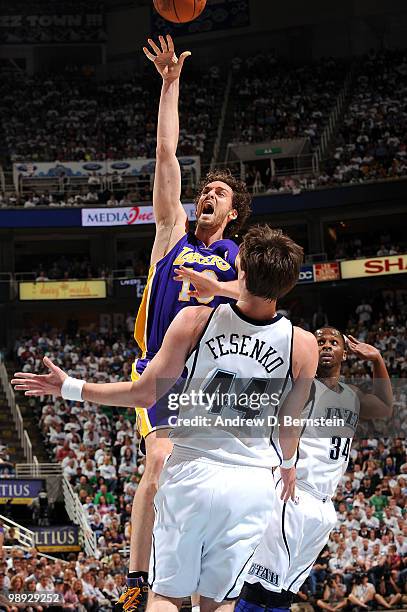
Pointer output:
x,y
63,290
374,266
135,215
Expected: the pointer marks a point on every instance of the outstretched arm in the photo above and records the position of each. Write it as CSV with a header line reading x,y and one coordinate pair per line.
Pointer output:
x,y
379,403
170,216
165,368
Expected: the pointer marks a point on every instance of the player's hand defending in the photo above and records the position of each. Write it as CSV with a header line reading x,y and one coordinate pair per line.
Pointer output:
x,y
165,60
362,350
288,477
40,384
205,286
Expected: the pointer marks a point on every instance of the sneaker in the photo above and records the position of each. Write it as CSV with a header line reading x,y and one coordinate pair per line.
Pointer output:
x,y
132,599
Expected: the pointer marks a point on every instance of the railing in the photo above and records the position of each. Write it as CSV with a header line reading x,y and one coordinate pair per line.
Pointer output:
x,y
218,139
332,122
2,180
77,515
38,470
25,536
16,414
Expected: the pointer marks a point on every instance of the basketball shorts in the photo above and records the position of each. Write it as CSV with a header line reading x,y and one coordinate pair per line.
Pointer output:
x,y
158,416
209,519
297,533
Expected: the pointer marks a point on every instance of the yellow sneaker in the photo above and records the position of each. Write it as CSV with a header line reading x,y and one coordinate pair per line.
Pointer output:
x,y
130,600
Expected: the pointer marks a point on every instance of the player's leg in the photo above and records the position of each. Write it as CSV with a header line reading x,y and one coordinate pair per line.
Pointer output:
x,y
158,447
264,581
234,530
159,603
195,602
210,605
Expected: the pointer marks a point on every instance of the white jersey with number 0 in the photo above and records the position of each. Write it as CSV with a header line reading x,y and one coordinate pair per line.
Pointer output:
x,y
241,368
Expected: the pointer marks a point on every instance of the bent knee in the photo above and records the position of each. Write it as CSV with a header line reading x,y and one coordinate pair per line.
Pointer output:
x,y
157,450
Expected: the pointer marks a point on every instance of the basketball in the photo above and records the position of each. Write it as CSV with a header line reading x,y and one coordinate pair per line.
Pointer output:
x,y
179,11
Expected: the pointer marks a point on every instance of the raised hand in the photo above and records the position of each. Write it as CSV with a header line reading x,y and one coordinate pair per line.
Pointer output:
x,y
206,286
165,60
40,384
362,350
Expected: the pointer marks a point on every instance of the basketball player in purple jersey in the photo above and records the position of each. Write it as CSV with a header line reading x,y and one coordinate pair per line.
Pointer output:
x,y
222,207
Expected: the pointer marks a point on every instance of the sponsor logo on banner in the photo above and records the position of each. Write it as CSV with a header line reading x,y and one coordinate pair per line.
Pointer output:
x,y
57,539
63,290
306,275
327,271
20,491
135,215
374,266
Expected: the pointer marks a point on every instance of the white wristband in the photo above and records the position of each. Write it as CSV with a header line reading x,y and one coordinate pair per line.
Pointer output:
x,y
72,389
289,463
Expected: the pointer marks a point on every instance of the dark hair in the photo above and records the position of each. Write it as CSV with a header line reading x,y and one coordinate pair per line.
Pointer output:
x,y
271,261
241,198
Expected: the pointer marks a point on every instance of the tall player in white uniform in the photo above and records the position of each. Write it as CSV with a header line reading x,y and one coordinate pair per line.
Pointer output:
x,y
299,530
216,491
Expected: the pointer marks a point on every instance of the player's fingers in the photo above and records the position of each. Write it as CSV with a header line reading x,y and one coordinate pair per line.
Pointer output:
x,y
353,339
154,46
22,387
183,57
170,43
35,393
193,293
24,375
150,56
163,44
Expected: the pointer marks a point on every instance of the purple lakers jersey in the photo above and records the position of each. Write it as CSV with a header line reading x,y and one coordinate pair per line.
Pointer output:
x,y
164,297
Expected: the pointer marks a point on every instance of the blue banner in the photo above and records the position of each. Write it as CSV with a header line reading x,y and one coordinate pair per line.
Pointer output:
x,y
57,539
19,490
218,15
306,275
44,217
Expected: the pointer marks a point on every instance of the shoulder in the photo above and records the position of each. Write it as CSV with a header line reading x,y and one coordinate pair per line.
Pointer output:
x,y
304,353
192,319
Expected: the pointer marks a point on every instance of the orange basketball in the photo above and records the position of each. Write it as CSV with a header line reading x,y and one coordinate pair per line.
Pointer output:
x,y
179,11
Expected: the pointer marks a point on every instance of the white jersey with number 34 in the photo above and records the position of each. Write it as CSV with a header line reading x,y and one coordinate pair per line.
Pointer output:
x,y
324,448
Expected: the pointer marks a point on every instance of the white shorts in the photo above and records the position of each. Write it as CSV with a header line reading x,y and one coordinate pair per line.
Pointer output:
x,y
297,533
209,519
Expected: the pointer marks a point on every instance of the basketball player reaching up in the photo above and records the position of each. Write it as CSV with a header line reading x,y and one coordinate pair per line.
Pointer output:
x,y
216,491
222,207
299,531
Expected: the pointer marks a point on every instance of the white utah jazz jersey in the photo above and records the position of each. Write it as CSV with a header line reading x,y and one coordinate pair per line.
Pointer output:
x,y
236,357
323,450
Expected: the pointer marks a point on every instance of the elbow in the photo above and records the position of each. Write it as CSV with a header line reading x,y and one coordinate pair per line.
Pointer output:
x,y
164,150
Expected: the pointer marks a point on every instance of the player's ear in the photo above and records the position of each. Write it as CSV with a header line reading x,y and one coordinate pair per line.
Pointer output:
x,y
345,355
232,214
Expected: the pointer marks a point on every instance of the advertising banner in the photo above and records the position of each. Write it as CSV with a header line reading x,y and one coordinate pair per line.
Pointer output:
x,y
130,287
374,266
135,215
57,539
306,275
124,167
20,491
327,271
63,290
